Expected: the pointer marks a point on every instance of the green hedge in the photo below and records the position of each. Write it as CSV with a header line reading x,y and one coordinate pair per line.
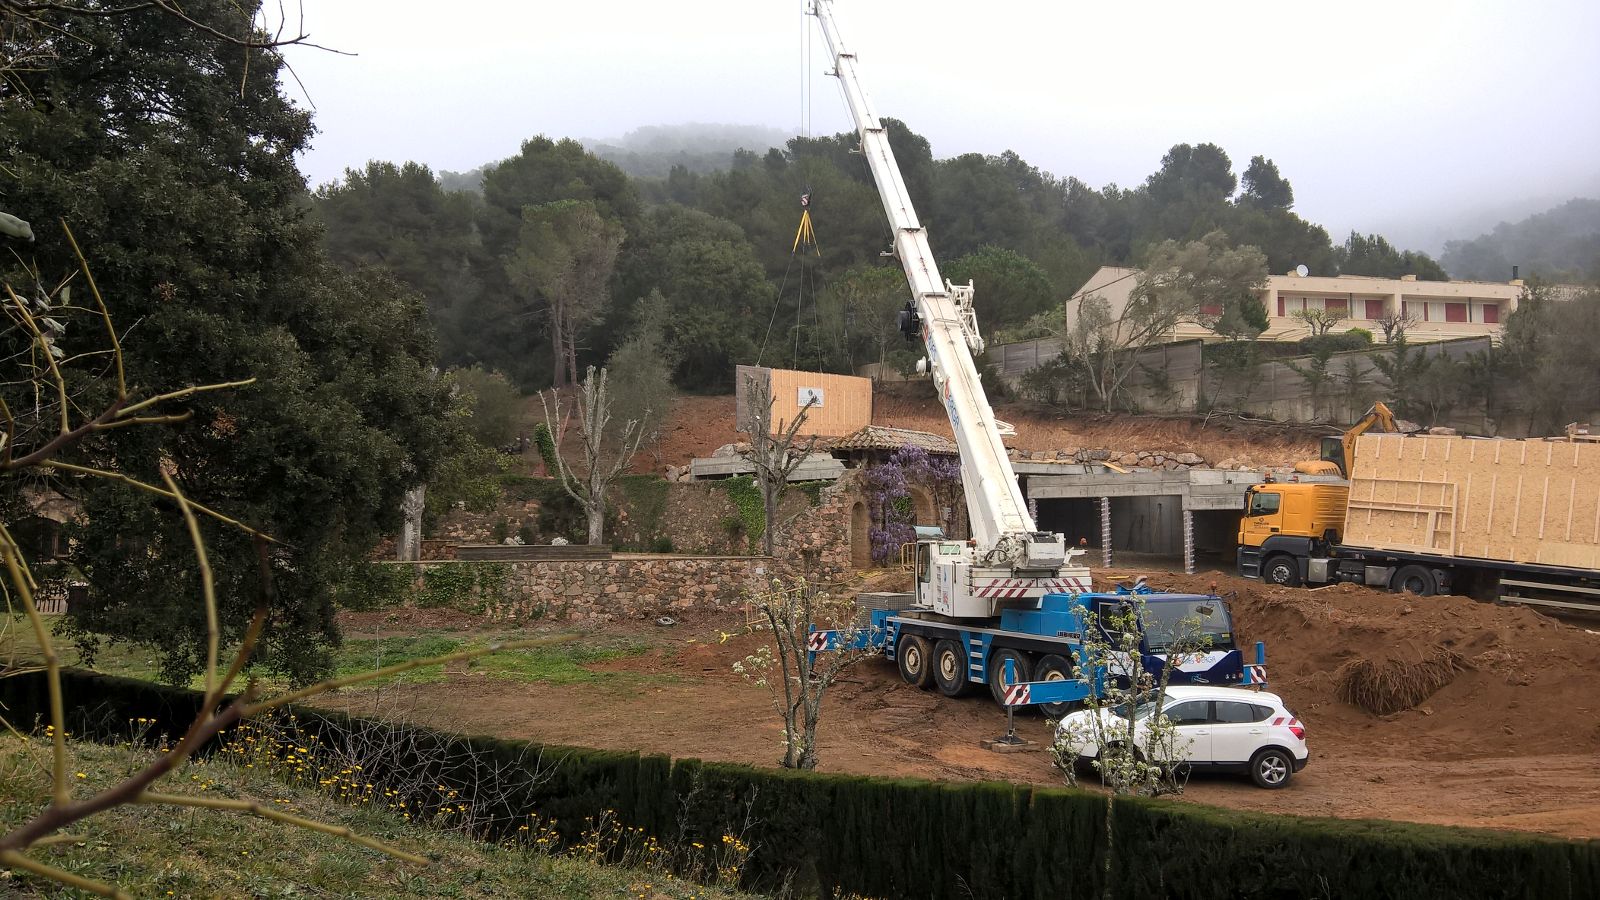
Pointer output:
x,y
827,835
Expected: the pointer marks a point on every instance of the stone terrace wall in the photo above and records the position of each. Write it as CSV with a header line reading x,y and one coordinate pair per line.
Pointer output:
x,y
816,545
639,587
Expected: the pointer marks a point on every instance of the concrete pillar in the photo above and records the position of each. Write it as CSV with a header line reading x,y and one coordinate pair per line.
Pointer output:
x,y
1033,511
1188,542
1105,532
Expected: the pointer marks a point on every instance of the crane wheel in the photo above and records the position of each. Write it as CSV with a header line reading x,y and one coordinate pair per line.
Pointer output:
x,y
997,671
950,668
1051,667
914,657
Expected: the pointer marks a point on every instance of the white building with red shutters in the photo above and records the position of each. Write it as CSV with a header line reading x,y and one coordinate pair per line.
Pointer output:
x,y
1438,310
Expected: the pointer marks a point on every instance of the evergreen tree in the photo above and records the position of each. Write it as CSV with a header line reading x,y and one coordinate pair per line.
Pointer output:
x,y
171,154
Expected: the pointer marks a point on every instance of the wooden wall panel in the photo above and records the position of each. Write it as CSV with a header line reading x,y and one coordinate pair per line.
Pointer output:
x,y
846,400
1528,501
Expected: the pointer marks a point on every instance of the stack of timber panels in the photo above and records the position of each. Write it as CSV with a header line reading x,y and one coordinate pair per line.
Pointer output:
x,y
1527,501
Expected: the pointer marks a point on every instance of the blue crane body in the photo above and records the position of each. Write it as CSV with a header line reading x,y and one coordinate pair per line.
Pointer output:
x,y
1044,647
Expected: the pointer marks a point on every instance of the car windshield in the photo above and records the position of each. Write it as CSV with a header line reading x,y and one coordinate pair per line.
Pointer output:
x,y
1164,623
1143,711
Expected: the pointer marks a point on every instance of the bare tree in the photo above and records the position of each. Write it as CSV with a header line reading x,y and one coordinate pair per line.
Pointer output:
x,y
772,450
809,658
1319,321
589,482
1395,325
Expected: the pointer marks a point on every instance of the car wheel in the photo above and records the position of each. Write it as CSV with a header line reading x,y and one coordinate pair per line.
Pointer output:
x,y
1281,570
1271,768
1414,580
912,658
950,668
1054,668
997,672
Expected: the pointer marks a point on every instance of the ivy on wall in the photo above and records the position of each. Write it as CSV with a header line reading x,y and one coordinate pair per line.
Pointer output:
x,y
746,497
470,586
546,444
644,497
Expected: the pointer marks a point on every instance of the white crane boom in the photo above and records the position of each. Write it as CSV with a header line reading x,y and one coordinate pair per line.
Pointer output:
x,y
1002,527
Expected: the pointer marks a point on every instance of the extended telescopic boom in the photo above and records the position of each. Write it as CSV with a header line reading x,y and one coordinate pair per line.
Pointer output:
x,y
1001,525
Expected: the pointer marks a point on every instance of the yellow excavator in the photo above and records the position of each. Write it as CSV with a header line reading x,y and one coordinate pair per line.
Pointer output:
x,y
1336,451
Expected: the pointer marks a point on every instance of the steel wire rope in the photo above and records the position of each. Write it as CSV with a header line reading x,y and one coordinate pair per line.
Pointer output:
x,y
777,300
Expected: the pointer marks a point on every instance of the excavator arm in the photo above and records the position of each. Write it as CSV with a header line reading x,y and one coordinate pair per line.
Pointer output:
x,y
1338,451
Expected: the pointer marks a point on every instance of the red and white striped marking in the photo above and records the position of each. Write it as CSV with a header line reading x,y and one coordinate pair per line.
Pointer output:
x,y
1005,588
1258,675
1017,694
1293,724
817,641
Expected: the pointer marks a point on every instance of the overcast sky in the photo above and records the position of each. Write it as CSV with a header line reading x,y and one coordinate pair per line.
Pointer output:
x,y
1413,118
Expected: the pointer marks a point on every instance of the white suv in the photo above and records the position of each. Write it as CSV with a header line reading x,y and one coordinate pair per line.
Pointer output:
x,y
1218,729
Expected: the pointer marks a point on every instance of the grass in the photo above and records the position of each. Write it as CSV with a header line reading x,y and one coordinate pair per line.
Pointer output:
x,y
153,851
557,664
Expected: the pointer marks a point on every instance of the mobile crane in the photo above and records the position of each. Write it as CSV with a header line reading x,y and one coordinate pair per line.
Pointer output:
x,y
1011,593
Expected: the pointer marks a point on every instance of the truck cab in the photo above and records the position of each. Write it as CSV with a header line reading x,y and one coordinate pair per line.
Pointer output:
x,y
1287,523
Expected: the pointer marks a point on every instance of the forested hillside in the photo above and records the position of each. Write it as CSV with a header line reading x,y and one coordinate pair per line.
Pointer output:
x,y
718,245
1561,244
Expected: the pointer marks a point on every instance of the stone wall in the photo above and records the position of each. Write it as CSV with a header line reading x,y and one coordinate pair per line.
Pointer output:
x,y
694,517
814,543
642,587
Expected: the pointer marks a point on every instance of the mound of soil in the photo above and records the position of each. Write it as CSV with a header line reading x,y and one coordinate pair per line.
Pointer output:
x,y
1457,677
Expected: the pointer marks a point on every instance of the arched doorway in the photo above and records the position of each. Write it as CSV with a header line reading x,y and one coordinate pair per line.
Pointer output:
x,y
860,536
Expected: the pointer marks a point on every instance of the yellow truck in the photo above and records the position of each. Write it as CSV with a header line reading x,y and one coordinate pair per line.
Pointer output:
x,y
1432,514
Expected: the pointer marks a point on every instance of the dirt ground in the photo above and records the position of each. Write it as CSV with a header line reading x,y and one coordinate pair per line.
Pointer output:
x,y
1505,732
699,425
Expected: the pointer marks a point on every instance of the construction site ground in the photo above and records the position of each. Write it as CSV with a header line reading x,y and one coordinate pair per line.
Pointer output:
x,y
1501,729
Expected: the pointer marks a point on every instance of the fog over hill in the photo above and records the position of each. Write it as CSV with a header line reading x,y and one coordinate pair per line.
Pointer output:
x,y
1430,229
652,150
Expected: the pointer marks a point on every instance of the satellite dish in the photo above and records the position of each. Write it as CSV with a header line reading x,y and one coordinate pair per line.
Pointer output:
x,y
1301,270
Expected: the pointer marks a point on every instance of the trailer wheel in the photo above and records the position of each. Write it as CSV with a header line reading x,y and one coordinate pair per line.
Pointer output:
x,y
997,671
1414,580
1282,570
950,668
1054,668
912,657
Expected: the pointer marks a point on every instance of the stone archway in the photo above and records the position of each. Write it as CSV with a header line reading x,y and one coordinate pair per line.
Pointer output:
x,y
860,535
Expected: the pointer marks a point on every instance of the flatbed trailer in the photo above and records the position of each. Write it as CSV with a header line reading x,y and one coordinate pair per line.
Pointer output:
x,y
1515,520
1425,574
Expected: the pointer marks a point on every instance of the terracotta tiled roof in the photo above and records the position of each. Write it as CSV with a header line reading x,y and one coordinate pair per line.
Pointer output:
x,y
878,437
